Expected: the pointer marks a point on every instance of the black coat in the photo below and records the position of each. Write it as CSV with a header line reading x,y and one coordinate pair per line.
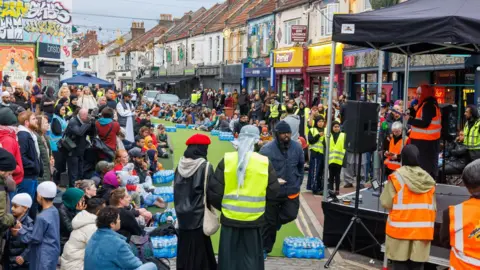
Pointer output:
x,y
188,195
15,247
66,217
78,133
129,225
32,164
216,189
104,192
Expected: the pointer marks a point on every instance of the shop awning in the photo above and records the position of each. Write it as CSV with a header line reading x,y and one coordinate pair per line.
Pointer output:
x,y
165,79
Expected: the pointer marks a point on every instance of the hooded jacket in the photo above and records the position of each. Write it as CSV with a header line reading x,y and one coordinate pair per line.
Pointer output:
x,y
8,140
74,251
189,192
293,121
417,181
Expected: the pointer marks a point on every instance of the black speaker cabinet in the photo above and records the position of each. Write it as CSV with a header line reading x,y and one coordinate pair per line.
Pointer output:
x,y
361,126
449,121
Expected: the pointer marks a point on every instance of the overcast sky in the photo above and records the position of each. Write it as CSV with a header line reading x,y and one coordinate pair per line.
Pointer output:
x,y
148,9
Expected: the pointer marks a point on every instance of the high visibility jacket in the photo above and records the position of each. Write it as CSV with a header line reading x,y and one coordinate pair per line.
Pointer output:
x,y
274,113
337,150
395,148
194,98
245,203
412,216
433,131
472,137
318,146
306,112
465,235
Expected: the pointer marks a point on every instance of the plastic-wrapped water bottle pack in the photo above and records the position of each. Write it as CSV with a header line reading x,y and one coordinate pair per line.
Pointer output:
x,y
192,126
169,216
163,177
166,193
170,129
164,246
181,126
303,247
226,136
215,132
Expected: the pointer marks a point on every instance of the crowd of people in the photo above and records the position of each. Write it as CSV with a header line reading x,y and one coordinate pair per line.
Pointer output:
x,y
93,152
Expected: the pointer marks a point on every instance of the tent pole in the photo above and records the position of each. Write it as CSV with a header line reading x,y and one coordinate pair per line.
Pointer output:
x,y
376,157
405,95
329,120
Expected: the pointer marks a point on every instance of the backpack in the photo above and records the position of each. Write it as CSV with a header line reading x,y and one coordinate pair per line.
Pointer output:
x,y
142,248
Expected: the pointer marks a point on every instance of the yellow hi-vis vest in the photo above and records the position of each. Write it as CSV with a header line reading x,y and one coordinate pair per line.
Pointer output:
x,y
337,150
472,137
194,98
274,113
317,147
245,203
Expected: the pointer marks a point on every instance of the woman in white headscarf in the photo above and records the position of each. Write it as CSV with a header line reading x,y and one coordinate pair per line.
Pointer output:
x,y
87,100
244,187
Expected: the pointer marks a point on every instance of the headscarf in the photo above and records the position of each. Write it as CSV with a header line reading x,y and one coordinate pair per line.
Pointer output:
x,y
474,111
58,108
73,107
110,178
410,155
248,137
196,151
71,197
427,91
151,156
147,140
62,101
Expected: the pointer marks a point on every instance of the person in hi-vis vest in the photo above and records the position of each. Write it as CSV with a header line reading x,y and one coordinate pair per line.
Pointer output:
x,y
460,229
409,195
336,157
392,147
316,144
426,128
244,188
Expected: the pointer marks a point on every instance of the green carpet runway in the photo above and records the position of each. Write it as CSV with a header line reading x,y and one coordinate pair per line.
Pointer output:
x,y
216,151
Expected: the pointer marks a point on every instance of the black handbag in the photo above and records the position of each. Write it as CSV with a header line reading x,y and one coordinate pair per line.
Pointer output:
x,y
66,143
101,146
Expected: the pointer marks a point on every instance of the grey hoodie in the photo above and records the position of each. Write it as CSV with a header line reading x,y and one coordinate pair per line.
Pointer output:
x,y
293,121
187,166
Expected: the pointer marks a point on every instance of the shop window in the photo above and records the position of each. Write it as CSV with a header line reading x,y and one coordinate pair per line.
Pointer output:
x,y
294,85
288,30
326,19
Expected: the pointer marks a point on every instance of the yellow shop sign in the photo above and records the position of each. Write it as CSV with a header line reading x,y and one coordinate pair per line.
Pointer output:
x,y
292,57
321,55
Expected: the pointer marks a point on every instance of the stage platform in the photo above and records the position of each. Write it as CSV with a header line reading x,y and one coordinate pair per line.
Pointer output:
x,y
338,215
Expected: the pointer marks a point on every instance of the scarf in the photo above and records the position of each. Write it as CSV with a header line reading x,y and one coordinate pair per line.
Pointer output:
x,y
34,137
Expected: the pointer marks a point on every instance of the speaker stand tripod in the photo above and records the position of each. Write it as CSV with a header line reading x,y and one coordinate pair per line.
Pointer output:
x,y
355,219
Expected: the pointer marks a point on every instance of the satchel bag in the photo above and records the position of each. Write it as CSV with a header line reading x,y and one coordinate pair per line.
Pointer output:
x,y
66,143
211,223
101,146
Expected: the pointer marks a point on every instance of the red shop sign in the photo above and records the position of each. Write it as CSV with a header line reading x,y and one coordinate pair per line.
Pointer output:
x,y
349,60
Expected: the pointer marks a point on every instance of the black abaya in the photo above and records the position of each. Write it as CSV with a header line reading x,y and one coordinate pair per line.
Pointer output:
x,y
195,251
240,249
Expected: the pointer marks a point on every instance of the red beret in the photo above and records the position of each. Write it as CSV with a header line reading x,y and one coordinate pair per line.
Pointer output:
x,y
198,139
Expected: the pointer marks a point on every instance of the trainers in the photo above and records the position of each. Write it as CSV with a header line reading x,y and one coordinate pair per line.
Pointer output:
x,y
348,186
265,254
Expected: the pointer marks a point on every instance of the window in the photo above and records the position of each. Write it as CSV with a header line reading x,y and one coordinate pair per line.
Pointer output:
x,y
178,53
86,65
367,5
240,46
193,51
210,47
288,30
218,48
326,19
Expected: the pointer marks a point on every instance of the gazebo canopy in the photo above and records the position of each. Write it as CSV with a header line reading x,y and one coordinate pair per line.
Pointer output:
x,y
86,79
414,27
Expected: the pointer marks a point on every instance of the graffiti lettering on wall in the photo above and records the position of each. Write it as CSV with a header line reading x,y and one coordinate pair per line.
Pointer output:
x,y
11,28
48,11
36,20
46,27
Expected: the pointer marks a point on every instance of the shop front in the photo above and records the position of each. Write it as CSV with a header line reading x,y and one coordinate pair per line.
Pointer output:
x,y
290,76
258,78
208,76
360,67
318,72
50,64
231,77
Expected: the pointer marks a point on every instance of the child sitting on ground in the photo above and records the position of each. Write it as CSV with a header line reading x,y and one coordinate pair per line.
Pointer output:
x,y
16,252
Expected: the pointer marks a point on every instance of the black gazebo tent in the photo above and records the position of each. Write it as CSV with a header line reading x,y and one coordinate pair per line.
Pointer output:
x,y
411,28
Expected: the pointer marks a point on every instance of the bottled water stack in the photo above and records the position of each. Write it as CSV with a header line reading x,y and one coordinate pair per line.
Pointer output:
x,y
303,247
164,246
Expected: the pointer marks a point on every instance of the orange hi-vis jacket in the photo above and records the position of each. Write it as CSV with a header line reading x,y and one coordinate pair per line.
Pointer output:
x,y
465,235
395,148
433,131
412,216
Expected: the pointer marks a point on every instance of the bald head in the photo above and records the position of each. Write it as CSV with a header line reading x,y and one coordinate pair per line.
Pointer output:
x,y
83,114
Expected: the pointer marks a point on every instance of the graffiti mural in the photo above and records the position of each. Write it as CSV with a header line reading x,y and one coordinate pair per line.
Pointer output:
x,y
46,21
261,37
18,62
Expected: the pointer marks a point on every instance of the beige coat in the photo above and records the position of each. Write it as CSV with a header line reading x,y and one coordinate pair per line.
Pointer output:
x,y
418,181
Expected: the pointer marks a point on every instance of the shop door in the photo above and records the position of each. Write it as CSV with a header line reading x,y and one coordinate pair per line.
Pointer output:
x,y
316,87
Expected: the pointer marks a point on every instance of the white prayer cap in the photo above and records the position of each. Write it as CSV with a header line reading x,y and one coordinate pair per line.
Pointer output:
x,y
47,189
22,199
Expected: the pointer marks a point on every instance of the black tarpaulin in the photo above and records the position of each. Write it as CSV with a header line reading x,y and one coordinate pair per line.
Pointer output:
x,y
414,27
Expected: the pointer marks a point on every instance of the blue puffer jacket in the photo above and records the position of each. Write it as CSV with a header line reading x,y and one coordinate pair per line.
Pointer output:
x,y
288,166
108,250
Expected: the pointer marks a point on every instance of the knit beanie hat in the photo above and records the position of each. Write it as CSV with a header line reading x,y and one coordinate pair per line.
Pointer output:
x,y
8,117
283,127
7,161
71,197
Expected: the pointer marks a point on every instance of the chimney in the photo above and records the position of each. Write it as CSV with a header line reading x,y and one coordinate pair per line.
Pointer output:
x,y
166,17
137,29
91,35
